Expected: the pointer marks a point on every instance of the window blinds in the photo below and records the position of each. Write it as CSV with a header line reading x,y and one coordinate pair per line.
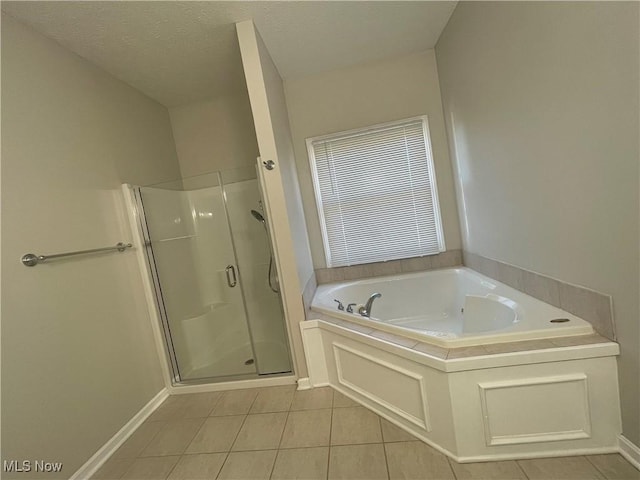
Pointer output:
x,y
376,193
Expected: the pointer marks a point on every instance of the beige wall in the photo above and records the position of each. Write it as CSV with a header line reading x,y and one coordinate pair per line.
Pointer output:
x,y
78,357
366,95
541,101
215,135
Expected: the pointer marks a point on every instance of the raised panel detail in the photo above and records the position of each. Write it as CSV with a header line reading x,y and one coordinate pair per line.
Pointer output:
x,y
391,386
534,410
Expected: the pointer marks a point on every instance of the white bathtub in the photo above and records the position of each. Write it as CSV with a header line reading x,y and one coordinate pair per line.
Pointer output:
x,y
451,308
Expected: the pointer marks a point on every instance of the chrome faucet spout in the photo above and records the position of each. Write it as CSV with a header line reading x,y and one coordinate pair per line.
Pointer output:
x,y
365,310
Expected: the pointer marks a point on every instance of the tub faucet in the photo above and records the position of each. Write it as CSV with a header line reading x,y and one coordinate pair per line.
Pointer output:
x,y
365,310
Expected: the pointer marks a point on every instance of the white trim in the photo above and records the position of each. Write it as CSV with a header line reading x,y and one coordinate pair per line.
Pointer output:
x,y
563,452
102,455
476,458
304,384
232,385
629,451
423,423
152,308
491,439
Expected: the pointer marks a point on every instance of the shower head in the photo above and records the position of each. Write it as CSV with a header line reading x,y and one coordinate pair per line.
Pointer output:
x,y
257,215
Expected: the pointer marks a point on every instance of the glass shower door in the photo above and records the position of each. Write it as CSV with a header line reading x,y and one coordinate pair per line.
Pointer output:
x,y
193,261
260,286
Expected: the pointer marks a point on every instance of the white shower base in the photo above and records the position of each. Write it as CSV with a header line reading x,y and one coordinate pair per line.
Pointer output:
x,y
233,363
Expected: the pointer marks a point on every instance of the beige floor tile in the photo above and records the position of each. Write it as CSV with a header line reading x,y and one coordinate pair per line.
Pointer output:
x,y
357,462
355,425
192,467
235,402
152,468
488,471
169,410
273,399
301,463
216,434
562,468
173,438
391,433
113,469
340,400
139,440
261,432
614,467
199,404
416,460
313,399
248,465
307,428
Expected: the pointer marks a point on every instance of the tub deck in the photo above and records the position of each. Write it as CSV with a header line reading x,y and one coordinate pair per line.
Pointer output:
x,y
452,353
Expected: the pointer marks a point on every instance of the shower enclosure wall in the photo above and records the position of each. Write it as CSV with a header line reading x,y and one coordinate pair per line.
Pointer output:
x,y
209,257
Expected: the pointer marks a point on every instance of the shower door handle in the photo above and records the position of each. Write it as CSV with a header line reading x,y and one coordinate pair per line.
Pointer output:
x,y
231,269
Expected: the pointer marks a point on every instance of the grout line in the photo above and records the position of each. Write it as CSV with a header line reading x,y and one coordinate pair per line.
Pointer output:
x,y
284,427
330,430
174,467
386,460
356,444
451,467
595,466
223,464
236,437
194,435
304,448
146,444
244,420
215,404
522,469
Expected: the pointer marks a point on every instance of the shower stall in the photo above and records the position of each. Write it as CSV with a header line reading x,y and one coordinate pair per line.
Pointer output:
x,y
209,257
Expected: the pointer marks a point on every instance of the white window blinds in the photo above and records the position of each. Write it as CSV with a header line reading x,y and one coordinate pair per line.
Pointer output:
x,y
376,193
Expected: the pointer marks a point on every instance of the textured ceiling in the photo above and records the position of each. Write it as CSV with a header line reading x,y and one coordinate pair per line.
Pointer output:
x,y
180,52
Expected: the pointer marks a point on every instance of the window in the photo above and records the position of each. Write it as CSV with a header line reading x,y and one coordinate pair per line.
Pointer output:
x,y
376,193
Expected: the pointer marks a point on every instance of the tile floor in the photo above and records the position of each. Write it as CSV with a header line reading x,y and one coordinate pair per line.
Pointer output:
x,y
281,433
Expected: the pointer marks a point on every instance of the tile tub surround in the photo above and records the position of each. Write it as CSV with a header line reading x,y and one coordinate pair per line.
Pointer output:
x,y
450,258
308,293
374,448
594,307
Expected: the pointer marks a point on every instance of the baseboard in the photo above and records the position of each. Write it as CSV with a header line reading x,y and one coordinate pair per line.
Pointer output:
x,y
109,448
503,457
268,381
629,450
304,384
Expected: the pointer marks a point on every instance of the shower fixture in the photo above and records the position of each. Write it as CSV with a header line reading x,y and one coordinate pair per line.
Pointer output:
x,y
258,216
273,275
